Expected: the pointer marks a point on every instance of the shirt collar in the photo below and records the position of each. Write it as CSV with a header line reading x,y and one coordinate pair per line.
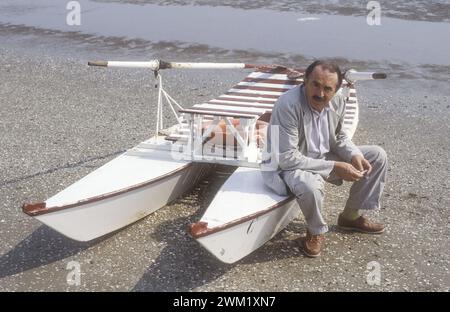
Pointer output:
x,y
324,111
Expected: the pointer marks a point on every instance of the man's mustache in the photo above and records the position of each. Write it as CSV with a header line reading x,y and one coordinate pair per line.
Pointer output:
x,y
318,98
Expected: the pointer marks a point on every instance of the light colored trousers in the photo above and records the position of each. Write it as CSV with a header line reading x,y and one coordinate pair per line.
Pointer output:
x,y
365,194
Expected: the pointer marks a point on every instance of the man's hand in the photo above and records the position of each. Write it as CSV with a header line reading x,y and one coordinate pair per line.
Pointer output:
x,y
347,172
361,164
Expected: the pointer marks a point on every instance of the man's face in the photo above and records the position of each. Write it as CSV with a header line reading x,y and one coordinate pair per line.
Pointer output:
x,y
320,87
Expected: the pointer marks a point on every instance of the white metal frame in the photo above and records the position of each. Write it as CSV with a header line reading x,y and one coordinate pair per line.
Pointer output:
x,y
191,120
246,152
170,101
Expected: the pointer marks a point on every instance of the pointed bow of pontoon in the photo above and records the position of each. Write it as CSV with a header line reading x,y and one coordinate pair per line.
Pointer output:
x,y
243,216
117,194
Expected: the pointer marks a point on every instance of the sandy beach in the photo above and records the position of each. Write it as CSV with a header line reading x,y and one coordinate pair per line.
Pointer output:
x,y
60,119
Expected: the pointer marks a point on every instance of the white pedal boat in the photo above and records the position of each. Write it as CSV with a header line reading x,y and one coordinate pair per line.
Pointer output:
x,y
243,215
117,194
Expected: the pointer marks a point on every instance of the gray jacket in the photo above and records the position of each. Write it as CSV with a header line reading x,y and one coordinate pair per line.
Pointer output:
x,y
286,144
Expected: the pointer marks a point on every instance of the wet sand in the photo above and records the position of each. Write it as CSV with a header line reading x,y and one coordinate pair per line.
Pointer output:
x,y
60,120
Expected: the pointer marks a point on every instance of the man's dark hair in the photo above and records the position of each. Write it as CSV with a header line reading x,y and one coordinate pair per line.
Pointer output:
x,y
331,67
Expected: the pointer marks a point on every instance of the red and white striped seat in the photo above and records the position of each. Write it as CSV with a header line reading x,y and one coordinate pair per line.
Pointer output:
x,y
257,93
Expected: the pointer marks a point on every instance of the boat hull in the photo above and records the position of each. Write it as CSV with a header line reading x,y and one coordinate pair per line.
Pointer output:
x,y
243,216
93,220
117,194
236,242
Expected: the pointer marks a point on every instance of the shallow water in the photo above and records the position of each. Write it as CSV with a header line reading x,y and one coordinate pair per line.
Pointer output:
x,y
419,10
284,31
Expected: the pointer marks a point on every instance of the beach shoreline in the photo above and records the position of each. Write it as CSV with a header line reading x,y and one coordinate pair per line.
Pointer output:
x,y
61,119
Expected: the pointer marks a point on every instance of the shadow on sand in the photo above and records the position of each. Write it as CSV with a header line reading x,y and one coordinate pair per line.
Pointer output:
x,y
184,265
41,247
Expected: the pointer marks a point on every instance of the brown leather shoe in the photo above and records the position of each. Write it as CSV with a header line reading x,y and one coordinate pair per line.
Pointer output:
x,y
361,224
312,244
